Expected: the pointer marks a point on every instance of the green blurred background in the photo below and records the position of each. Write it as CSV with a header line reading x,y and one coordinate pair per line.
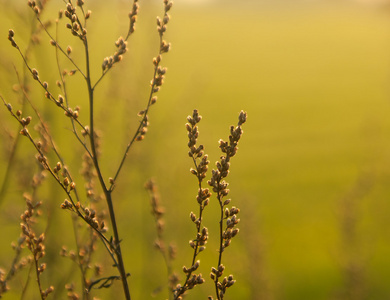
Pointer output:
x,y
312,173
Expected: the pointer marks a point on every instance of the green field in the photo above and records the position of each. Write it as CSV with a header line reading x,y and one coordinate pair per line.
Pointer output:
x,y
314,79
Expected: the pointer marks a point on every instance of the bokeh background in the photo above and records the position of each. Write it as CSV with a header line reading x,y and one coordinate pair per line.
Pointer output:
x,y
312,173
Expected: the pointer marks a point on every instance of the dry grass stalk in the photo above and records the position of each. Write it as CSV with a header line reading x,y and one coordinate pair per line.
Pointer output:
x,y
228,216
198,244
168,252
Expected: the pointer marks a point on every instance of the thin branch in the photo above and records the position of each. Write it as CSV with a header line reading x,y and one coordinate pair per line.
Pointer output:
x,y
60,48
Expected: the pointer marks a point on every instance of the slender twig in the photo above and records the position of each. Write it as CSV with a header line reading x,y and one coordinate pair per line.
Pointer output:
x,y
60,48
63,85
133,17
158,76
43,161
219,185
15,143
107,193
199,243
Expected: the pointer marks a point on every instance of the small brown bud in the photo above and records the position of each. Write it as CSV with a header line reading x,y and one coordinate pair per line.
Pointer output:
x,y
27,120
242,117
192,216
69,50
35,74
168,6
24,132
166,19
72,185
156,60
221,268
162,29
227,213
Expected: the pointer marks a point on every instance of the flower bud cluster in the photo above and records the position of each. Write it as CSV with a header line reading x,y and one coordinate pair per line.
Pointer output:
x,y
18,115
159,72
3,282
198,244
11,34
193,134
143,128
133,17
71,293
192,281
219,186
169,253
74,26
91,219
34,6
33,242
108,62
72,113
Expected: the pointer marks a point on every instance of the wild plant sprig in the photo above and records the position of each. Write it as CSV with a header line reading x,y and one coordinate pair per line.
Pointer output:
x,y
155,85
35,244
133,18
67,186
77,27
107,192
31,41
168,253
227,216
45,132
79,31
34,72
17,264
62,85
199,242
121,43
53,42
81,260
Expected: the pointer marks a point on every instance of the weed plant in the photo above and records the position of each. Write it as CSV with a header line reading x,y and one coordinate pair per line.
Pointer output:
x,y
89,198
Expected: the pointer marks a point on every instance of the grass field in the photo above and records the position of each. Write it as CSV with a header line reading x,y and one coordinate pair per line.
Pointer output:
x,y
314,79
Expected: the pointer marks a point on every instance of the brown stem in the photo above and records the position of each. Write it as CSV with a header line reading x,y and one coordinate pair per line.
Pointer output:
x,y
120,266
